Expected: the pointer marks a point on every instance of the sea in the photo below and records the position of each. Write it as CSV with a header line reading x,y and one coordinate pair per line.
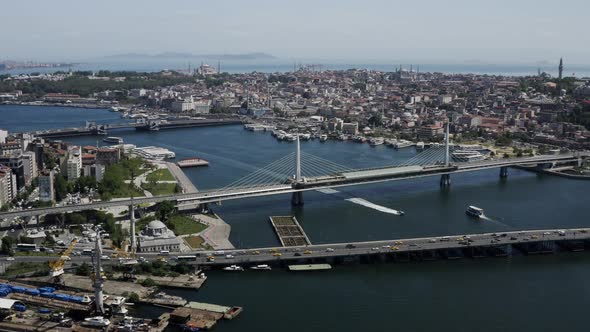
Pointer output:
x,y
281,66
519,293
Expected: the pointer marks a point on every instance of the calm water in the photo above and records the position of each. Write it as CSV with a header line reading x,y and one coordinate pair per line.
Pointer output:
x,y
520,293
281,65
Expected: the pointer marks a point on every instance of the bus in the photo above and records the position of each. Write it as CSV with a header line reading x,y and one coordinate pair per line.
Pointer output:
x,y
186,258
26,247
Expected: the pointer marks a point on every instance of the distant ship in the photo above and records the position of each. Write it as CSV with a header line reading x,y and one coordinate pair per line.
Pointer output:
x,y
474,211
192,162
112,139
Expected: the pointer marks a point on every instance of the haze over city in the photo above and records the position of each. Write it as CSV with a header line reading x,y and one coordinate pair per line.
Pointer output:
x,y
453,31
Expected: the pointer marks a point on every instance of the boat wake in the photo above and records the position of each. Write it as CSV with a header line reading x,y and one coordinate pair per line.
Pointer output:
x,y
374,206
328,191
494,221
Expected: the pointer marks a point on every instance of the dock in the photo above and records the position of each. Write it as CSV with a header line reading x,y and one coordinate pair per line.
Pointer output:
x,y
289,231
310,267
203,316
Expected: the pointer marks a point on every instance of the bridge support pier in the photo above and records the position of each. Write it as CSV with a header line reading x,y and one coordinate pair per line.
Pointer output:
x,y
132,228
503,172
204,208
445,180
297,198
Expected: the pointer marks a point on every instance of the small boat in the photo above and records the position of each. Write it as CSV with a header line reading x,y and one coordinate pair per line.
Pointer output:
x,y
376,141
474,211
97,321
233,268
261,267
323,138
420,146
112,139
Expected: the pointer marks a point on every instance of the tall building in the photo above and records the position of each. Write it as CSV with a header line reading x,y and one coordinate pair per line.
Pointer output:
x,y
15,162
74,163
29,167
46,192
7,185
560,68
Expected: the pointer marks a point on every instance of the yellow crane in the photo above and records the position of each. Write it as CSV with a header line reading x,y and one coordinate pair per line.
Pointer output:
x,y
57,266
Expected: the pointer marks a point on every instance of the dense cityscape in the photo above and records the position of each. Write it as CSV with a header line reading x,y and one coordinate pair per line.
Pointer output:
x,y
219,187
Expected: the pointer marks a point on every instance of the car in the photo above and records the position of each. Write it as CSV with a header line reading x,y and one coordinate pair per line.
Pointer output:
x,y
297,254
386,246
561,233
256,252
432,240
394,248
534,237
398,242
273,250
513,238
114,255
350,246
210,258
9,258
330,249
547,233
65,258
583,231
228,256
375,248
308,252
413,244
445,238
277,254
105,258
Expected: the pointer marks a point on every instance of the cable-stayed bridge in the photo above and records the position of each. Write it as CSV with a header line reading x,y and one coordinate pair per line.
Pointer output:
x,y
299,171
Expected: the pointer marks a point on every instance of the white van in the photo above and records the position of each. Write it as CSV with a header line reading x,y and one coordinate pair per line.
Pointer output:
x,y
164,252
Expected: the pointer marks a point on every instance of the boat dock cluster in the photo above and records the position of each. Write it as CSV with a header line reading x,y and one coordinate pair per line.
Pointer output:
x,y
289,232
196,316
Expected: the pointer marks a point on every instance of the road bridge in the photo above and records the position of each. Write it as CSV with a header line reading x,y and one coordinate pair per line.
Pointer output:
x,y
93,128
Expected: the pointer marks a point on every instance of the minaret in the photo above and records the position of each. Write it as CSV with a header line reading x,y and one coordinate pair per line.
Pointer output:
x,y
218,66
560,68
98,276
447,159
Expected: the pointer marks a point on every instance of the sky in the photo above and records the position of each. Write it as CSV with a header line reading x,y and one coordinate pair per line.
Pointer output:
x,y
499,31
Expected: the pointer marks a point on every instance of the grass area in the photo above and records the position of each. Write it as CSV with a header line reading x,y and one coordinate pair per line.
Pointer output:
x,y
182,225
24,267
158,189
195,241
126,191
162,174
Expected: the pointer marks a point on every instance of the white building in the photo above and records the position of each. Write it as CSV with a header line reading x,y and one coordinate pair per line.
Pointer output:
x,y
74,163
182,106
156,237
202,107
7,184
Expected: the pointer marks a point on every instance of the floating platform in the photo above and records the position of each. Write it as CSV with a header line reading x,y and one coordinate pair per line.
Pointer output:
x,y
203,316
310,267
192,162
289,232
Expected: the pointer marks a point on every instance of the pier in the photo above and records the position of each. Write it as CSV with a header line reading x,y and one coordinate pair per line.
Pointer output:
x,y
289,232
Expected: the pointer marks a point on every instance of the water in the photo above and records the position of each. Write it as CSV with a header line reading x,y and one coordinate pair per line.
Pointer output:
x,y
281,65
518,293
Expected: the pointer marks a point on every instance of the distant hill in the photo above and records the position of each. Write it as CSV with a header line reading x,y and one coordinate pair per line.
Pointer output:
x,y
175,55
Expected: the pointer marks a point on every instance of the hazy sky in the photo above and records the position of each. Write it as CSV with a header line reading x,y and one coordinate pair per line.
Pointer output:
x,y
499,31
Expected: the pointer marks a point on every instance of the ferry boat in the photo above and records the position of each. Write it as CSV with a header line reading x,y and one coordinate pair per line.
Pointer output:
x,y
261,267
323,138
113,139
97,321
192,162
400,144
376,141
474,211
233,268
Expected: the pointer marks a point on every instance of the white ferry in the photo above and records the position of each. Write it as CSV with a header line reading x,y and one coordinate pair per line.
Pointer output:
x,y
474,211
113,139
402,143
233,268
376,141
261,267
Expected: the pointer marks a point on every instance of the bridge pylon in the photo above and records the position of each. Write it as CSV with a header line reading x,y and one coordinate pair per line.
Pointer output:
x,y
504,172
297,197
445,180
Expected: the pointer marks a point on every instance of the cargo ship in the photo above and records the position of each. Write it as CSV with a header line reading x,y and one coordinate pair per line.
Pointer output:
x,y
192,162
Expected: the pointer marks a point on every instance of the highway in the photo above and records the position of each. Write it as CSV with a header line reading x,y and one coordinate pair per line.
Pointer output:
x,y
383,174
253,256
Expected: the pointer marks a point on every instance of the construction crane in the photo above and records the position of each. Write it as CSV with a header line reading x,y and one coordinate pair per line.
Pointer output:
x,y
57,266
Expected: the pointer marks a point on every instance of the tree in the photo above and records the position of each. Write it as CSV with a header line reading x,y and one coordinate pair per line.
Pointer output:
x,y
83,270
148,282
6,248
60,186
165,209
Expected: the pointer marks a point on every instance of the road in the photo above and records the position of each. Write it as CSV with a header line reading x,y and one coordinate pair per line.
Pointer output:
x,y
254,256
